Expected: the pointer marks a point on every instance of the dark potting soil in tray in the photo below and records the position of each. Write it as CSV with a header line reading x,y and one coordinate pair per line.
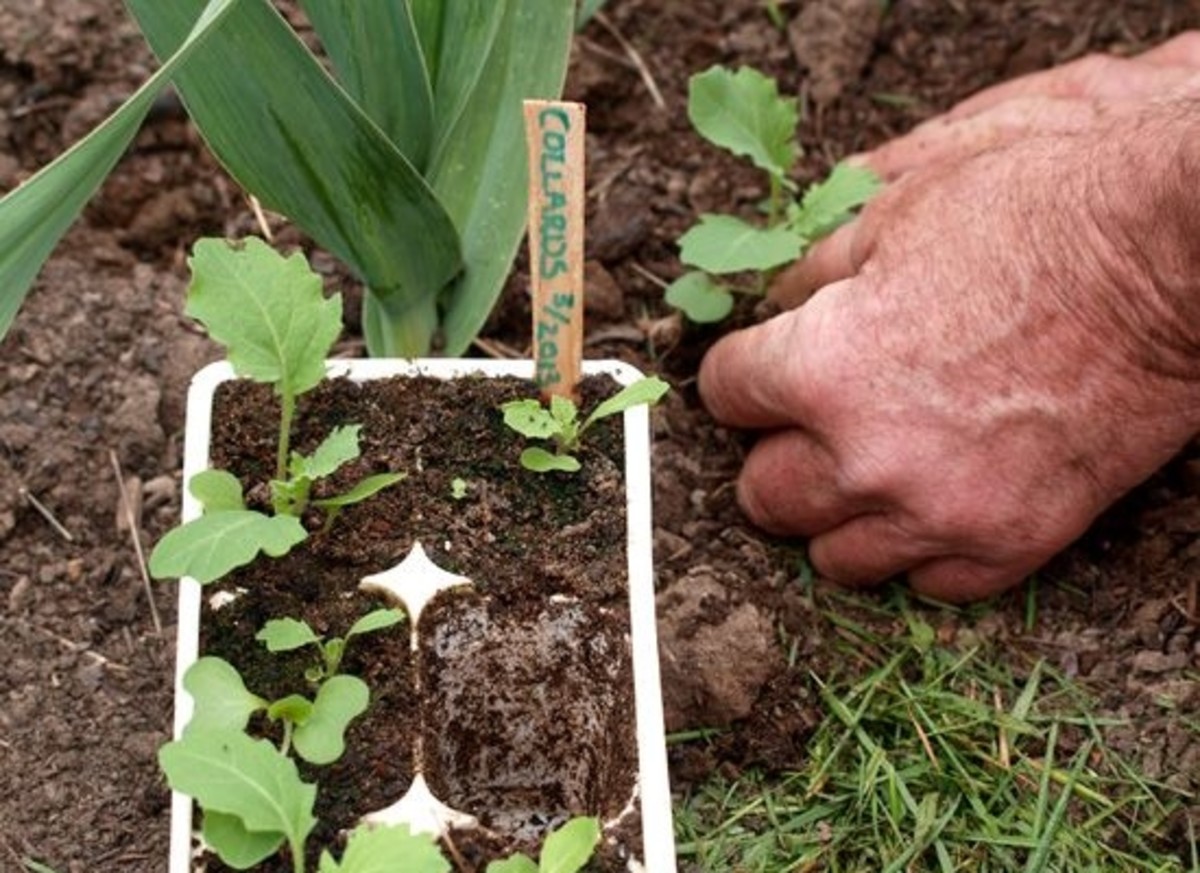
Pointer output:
x,y
526,714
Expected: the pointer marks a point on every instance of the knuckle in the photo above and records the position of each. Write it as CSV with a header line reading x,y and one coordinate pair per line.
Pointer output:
x,y
1186,47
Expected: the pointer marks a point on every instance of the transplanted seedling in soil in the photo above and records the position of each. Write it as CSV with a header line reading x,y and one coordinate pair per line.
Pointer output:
x,y
566,850
277,327
286,634
255,802
249,789
560,423
743,112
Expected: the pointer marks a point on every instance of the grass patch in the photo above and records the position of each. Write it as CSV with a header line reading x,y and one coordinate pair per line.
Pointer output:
x,y
931,757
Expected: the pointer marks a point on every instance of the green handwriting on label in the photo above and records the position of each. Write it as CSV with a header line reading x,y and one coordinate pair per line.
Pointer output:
x,y
554,124
554,251
553,315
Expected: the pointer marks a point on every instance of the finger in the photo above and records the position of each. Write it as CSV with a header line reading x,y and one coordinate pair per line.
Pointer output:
x,y
836,257
789,486
960,580
1095,77
782,372
745,379
1181,50
866,550
944,140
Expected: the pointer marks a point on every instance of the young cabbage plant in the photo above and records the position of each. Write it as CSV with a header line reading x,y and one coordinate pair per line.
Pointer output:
x,y
277,327
407,161
743,112
566,850
252,799
254,803
560,423
314,728
287,634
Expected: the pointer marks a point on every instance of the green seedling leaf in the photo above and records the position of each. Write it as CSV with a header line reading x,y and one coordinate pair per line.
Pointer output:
x,y
320,739
376,620
530,419
539,460
648,390
367,487
378,850
331,653
237,847
290,496
570,847
701,299
228,772
217,491
285,634
743,112
340,447
222,701
564,411
294,708
459,488
831,203
268,311
725,244
517,863
208,547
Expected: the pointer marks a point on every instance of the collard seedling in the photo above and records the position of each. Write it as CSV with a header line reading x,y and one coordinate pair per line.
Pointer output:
x,y
250,791
566,850
560,423
277,327
254,803
286,634
314,728
744,113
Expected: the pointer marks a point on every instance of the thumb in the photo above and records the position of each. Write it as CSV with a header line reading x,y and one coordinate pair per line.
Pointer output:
x,y
830,260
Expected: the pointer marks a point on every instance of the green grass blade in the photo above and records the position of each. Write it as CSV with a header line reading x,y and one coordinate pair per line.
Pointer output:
x,y
1039,860
34,216
377,57
481,175
290,135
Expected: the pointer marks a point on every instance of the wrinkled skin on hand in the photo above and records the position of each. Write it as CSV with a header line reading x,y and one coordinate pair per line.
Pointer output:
x,y
1003,343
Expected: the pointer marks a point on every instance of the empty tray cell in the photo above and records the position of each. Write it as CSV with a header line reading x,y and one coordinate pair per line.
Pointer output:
x,y
528,716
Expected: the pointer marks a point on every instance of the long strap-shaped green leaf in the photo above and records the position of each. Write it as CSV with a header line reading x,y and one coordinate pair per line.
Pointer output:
x,y
472,25
34,217
289,134
427,18
377,56
480,172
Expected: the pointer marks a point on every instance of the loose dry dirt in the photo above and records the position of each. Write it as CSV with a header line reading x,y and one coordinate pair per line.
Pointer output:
x,y
97,363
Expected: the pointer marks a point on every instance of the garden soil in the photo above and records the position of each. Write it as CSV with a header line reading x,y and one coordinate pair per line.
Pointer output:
x,y
93,375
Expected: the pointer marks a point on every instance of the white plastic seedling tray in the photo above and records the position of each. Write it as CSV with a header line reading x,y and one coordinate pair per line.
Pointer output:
x,y
418,806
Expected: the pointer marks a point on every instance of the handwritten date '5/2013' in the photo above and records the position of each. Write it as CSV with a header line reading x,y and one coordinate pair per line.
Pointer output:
x,y
554,314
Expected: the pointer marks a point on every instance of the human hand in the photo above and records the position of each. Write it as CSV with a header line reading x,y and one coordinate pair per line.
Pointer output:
x,y
1002,346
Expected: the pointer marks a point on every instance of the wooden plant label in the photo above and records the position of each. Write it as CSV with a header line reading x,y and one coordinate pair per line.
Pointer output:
x,y
554,134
